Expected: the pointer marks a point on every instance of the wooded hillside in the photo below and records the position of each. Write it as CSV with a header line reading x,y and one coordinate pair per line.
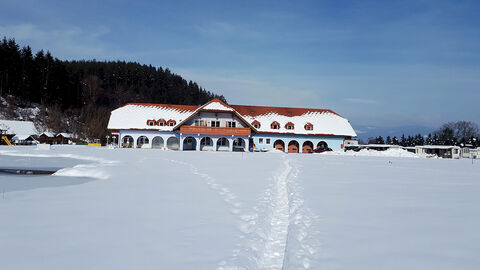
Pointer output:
x,y
77,96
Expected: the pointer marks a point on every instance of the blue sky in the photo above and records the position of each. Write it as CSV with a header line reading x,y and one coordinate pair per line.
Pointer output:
x,y
381,63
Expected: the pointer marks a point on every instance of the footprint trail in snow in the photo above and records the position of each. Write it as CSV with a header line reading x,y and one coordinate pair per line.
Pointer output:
x,y
276,234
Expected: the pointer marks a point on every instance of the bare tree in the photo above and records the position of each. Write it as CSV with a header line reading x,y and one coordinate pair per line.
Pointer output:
x,y
460,131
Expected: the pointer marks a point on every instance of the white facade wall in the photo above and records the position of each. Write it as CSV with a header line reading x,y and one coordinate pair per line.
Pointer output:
x,y
265,141
150,135
214,145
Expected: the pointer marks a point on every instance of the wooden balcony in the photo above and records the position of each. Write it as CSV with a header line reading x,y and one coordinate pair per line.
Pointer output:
x,y
215,130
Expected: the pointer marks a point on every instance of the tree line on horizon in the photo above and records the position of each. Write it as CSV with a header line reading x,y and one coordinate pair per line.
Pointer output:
x,y
78,96
460,133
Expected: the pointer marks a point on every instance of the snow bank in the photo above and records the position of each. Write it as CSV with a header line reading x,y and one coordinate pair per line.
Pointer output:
x,y
85,170
391,152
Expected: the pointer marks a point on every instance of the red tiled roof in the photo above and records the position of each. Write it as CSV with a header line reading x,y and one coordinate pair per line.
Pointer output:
x,y
287,111
241,109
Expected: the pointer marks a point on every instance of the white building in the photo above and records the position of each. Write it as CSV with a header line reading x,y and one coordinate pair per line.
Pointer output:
x,y
217,126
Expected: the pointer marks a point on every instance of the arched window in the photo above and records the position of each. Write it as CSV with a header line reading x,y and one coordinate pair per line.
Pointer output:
x,y
275,125
293,147
279,145
141,141
172,143
189,143
256,124
307,147
127,141
322,144
157,142
222,142
238,145
206,141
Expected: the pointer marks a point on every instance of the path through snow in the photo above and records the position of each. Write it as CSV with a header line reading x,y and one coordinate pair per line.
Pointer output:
x,y
277,220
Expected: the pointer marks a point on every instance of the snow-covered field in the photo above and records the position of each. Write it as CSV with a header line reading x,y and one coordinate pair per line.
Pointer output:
x,y
152,209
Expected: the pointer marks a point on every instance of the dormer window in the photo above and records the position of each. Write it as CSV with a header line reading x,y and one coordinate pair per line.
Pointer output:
x,y
289,126
150,123
161,122
171,123
275,125
256,124
308,126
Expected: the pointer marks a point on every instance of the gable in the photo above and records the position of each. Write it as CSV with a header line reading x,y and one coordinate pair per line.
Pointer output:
x,y
216,106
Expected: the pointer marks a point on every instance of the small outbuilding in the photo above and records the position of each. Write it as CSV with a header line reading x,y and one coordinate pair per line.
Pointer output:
x,y
18,132
63,138
468,152
443,151
24,140
46,137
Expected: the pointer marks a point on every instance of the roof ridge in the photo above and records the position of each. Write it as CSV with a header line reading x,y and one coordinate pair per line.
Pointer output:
x,y
193,107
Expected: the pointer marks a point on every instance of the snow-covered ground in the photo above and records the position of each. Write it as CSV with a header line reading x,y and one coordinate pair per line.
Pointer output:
x,y
152,209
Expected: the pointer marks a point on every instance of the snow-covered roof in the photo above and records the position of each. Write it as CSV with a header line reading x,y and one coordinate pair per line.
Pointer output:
x,y
65,135
438,146
18,127
380,145
216,105
21,137
136,115
323,122
48,134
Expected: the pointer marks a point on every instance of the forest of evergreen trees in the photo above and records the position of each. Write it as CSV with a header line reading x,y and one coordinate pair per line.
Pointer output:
x,y
86,91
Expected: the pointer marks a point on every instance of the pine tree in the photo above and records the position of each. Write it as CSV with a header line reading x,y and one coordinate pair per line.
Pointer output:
x,y
388,140
403,140
380,140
